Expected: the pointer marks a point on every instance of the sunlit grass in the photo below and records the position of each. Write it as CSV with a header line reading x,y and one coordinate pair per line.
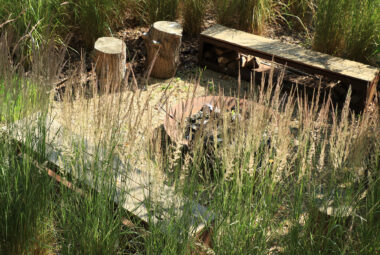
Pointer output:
x,y
252,16
266,187
348,28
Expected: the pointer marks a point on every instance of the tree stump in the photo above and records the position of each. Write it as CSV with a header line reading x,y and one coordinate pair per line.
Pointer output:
x,y
163,43
110,58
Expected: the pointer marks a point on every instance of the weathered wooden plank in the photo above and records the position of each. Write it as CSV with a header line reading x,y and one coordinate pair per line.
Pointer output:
x,y
149,199
293,53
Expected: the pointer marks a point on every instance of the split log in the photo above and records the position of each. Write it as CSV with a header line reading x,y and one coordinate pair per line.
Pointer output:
x,y
227,58
233,66
163,43
221,51
249,62
110,58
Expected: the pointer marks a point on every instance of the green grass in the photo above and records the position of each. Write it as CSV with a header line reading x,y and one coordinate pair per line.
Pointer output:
x,y
37,216
93,19
24,202
19,97
298,15
252,15
266,196
37,22
193,12
348,28
156,10
24,193
90,224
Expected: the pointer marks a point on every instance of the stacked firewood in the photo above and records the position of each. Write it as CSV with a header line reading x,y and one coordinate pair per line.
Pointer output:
x,y
229,60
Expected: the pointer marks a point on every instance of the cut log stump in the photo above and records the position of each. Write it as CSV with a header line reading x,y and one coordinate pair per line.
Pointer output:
x,y
110,58
163,42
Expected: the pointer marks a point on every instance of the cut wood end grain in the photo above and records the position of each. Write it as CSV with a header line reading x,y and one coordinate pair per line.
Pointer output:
x,y
169,27
109,45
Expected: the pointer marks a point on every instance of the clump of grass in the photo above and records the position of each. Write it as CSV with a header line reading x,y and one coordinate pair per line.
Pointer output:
x,y
92,19
252,15
271,168
24,200
36,217
299,14
30,21
36,22
347,28
24,193
156,10
91,223
12,101
25,203
193,13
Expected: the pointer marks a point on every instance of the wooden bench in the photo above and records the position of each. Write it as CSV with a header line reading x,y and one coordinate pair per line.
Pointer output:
x,y
363,78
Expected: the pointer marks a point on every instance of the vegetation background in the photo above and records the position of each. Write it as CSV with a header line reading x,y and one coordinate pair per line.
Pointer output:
x,y
267,195
340,27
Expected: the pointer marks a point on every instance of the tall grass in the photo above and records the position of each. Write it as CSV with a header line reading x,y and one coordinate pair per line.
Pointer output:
x,y
251,15
299,14
156,10
92,19
25,202
36,22
91,223
36,215
30,21
271,178
193,13
24,193
347,28
16,97
267,195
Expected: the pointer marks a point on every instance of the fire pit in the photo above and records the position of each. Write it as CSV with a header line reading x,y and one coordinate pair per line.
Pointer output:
x,y
185,114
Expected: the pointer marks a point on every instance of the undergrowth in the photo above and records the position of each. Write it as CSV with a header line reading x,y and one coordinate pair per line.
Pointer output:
x,y
343,28
251,16
348,28
298,176
193,13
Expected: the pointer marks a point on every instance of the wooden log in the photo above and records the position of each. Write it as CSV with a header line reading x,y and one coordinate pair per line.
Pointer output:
x,y
227,57
233,66
210,55
220,51
110,58
249,62
163,43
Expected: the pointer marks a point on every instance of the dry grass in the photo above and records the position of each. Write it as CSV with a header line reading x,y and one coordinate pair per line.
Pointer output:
x,y
264,195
